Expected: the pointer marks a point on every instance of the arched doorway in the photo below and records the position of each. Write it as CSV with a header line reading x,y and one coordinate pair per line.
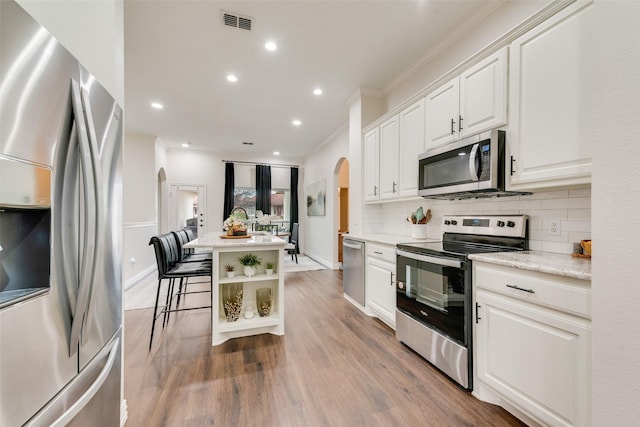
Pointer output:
x,y
341,175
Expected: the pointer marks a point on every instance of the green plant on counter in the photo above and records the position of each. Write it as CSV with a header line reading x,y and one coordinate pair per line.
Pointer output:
x,y
269,266
250,260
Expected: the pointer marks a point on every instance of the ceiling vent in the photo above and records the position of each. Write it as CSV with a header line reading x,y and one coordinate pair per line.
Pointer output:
x,y
236,21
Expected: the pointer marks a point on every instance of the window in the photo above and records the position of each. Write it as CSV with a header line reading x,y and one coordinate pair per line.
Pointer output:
x,y
245,197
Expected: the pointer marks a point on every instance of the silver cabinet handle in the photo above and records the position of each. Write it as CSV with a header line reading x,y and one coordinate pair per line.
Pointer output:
x,y
453,123
375,190
459,123
394,187
518,288
377,252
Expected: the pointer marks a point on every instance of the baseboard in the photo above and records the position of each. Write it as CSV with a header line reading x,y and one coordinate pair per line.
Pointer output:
x,y
330,265
140,276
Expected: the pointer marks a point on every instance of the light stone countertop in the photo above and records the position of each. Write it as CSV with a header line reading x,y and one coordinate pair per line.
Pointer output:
x,y
544,262
214,241
386,239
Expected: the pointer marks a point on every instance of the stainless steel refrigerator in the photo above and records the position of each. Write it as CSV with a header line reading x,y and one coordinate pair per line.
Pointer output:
x,y
60,234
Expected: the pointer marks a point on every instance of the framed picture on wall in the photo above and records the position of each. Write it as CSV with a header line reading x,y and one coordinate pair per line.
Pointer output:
x,y
316,196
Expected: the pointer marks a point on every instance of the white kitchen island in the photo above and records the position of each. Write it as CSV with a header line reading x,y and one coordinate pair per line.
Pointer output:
x,y
228,251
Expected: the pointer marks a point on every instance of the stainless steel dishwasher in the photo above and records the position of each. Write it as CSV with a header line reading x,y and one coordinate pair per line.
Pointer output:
x,y
353,269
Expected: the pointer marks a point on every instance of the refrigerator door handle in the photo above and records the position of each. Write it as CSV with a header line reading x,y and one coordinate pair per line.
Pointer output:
x,y
88,248
97,207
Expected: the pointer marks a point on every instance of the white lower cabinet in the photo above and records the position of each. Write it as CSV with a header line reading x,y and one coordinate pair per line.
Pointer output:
x,y
380,282
532,353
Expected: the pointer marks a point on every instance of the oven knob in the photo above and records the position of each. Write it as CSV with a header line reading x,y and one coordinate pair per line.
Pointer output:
x,y
511,224
500,224
447,222
454,222
401,285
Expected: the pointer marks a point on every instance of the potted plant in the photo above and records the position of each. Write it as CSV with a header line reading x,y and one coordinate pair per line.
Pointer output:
x,y
269,268
250,262
230,269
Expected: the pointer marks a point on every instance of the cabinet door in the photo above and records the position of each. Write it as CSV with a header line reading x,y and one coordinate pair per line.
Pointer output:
x,y
441,114
547,108
538,359
381,290
483,95
411,146
389,142
371,165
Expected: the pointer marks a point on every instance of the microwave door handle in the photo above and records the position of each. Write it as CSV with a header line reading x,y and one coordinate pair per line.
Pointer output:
x,y
473,170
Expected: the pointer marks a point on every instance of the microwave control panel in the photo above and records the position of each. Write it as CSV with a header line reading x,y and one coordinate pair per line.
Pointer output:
x,y
485,161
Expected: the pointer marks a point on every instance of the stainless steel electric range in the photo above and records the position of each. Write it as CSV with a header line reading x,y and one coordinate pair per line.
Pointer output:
x,y
434,311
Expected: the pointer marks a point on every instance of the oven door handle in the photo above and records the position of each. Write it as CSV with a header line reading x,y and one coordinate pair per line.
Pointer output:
x,y
447,262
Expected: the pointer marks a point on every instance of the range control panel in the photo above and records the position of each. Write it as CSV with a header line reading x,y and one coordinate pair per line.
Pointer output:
x,y
490,225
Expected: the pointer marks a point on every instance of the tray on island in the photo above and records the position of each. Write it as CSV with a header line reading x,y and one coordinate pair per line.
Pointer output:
x,y
246,236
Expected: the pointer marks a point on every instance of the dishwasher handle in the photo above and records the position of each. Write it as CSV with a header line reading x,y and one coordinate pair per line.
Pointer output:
x,y
351,245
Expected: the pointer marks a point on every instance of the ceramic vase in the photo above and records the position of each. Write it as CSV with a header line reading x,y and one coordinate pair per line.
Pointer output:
x,y
249,271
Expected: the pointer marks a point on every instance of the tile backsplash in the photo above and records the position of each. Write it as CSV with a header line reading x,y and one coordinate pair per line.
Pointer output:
x,y
571,209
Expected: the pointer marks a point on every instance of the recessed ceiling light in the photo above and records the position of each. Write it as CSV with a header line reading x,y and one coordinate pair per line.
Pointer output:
x,y
276,153
232,78
296,122
157,105
317,91
270,46
186,144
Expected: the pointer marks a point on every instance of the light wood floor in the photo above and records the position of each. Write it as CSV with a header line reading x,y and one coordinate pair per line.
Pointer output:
x,y
334,366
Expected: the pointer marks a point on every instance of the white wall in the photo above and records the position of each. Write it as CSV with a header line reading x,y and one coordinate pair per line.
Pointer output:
x,y
319,234
139,202
93,31
613,43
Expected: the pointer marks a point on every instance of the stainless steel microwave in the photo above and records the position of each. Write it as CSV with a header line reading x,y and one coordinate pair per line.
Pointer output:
x,y
471,167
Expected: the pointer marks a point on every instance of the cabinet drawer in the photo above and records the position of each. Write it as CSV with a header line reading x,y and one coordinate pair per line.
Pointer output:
x,y
557,292
385,252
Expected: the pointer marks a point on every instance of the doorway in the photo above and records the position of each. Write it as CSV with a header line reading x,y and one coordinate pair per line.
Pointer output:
x,y
187,204
342,172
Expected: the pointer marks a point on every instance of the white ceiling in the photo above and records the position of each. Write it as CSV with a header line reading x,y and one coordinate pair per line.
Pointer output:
x,y
179,53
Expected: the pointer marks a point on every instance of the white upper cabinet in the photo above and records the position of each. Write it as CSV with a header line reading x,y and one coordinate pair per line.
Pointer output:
x,y
547,107
442,108
389,152
411,146
483,95
371,165
471,103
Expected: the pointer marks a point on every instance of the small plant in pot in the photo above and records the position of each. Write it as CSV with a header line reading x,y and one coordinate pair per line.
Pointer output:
x,y
250,262
230,269
269,268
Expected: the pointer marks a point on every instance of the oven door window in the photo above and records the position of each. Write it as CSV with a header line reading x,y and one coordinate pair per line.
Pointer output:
x,y
433,294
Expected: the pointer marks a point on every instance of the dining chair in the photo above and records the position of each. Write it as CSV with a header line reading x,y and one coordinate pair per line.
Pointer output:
x,y
292,247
